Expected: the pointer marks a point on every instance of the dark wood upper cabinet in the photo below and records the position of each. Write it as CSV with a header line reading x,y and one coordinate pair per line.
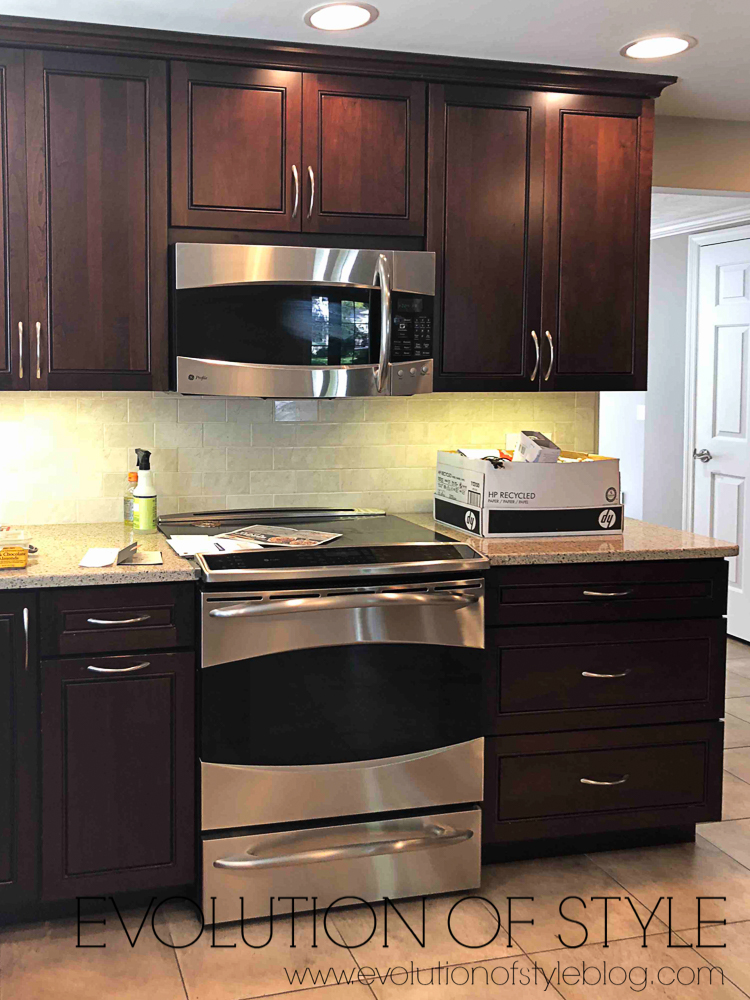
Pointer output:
x,y
119,773
363,144
596,243
97,181
14,338
486,177
18,749
236,147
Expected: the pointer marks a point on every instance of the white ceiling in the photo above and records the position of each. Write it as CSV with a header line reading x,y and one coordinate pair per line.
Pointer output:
x,y
589,33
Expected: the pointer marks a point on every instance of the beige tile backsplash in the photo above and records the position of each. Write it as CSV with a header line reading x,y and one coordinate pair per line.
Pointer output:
x,y
65,456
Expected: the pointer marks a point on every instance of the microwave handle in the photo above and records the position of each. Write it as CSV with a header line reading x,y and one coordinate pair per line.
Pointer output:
x,y
382,276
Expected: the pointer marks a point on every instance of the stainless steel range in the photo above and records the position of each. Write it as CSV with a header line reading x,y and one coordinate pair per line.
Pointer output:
x,y
340,696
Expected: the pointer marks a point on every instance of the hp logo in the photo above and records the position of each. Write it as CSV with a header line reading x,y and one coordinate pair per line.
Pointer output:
x,y
470,520
607,518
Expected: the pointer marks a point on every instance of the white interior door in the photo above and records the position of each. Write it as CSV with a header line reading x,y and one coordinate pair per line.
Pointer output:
x,y
720,503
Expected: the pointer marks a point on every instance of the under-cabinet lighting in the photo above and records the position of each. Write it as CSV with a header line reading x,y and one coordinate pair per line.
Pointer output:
x,y
341,16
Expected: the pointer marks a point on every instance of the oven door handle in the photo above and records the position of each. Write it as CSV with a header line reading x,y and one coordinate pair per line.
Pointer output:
x,y
383,277
335,602
437,836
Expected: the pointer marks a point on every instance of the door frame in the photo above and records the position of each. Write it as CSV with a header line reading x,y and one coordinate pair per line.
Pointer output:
x,y
695,243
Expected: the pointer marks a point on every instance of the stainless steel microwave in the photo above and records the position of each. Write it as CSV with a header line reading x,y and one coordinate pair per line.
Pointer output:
x,y
301,322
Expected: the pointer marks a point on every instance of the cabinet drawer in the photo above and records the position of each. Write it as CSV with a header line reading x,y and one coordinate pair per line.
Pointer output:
x,y
113,619
679,588
562,784
563,677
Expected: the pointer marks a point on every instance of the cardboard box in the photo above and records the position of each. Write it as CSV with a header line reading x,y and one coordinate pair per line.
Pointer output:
x,y
529,499
533,446
476,483
495,522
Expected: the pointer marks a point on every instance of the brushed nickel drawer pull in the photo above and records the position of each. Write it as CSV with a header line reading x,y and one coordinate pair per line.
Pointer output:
x,y
38,350
607,593
311,175
20,350
613,781
119,670
551,355
587,673
121,621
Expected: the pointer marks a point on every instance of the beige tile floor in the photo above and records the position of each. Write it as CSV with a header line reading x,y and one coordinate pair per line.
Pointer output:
x,y
41,961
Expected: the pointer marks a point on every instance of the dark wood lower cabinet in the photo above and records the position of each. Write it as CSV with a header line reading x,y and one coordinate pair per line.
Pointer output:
x,y
557,785
19,732
118,773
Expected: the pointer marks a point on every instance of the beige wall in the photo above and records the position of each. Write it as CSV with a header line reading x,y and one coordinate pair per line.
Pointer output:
x,y
705,153
65,456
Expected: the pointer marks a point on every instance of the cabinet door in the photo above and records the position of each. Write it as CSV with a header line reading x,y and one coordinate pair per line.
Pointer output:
x,y
14,340
363,144
486,178
235,147
596,242
119,773
97,178
18,749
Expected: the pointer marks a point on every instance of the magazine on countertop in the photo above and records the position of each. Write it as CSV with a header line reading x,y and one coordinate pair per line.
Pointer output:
x,y
270,535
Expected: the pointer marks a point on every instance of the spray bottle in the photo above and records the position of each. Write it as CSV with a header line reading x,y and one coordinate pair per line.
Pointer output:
x,y
144,496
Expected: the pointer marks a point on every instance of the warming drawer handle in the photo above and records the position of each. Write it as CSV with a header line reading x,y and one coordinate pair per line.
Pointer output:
x,y
119,670
118,621
436,837
607,593
588,673
337,601
605,781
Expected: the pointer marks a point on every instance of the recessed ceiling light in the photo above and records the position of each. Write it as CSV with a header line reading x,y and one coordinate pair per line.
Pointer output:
x,y
341,16
658,46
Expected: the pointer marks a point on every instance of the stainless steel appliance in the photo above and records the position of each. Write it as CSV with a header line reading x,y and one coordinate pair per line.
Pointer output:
x,y
340,696
299,322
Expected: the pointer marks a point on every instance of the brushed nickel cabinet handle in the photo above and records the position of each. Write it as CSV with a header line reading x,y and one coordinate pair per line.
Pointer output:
x,y
588,673
25,639
551,355
118,670
605,781
311,175
607,593
538,356
39,350
295,175
120,621
20,350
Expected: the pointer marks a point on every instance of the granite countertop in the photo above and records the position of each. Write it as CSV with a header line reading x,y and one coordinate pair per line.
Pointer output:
x,y
62,546
639,541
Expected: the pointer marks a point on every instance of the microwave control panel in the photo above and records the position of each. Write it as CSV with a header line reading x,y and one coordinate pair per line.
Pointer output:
x,y
411,328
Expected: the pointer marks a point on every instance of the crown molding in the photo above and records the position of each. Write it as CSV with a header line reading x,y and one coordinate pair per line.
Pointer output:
x,y
697,223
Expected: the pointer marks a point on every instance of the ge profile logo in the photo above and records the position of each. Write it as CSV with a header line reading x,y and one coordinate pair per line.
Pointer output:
x,y
470,520
611,494
191,378
607,518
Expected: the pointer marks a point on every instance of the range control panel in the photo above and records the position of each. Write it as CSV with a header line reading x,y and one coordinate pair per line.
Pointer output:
x,y
411,329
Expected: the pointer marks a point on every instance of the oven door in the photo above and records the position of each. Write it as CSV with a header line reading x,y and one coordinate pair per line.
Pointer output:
x,y
340,701
291,322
